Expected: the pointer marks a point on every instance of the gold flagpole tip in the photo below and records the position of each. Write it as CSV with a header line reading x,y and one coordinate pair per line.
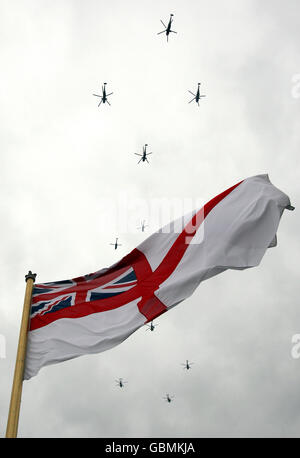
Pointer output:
x,y
30,275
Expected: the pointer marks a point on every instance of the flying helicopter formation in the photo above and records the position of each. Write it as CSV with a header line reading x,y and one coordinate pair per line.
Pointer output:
x,y
142,226
144,158
168,398
104,96
187,365
167,30
121,382
151,326
116,244
168,27
197,96
144,155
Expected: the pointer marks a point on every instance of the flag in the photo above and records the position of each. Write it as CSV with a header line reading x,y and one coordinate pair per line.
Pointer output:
x,y
95,312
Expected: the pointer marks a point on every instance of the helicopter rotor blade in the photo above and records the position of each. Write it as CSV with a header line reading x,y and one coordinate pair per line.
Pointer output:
x,y
192,93
108,102
100,103
109,94
161,32
192,99
97,95
137,154
140,160
163,24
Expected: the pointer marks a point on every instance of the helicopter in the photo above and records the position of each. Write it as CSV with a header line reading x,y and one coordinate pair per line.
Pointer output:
x,y
144,155
151,326
116,244
120,382
197,96
187,365
143,225
167,28
168,398
103,96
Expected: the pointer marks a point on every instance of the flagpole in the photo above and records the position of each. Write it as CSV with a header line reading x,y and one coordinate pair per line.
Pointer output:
x,y
15,400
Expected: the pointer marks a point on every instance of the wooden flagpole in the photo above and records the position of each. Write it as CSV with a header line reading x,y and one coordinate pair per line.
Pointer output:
x,y
15,400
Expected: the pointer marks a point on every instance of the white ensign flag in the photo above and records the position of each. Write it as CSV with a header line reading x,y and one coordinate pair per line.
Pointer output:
x,y
95,312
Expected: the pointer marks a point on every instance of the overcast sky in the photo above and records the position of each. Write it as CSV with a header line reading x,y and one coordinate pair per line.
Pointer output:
x,y
66,165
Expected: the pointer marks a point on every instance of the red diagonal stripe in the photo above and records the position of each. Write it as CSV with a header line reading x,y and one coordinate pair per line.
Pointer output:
x,y
148,282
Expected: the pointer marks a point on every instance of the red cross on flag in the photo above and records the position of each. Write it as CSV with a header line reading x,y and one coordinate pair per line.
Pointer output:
x,y
93,313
